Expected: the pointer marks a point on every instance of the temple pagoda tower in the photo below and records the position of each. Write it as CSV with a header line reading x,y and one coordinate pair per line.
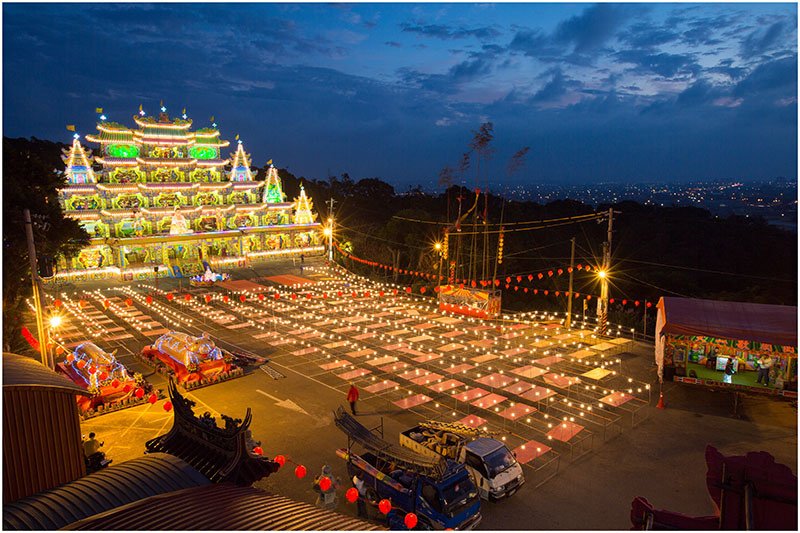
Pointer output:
x,y
303,208
162,195
78,164
273,190
240,166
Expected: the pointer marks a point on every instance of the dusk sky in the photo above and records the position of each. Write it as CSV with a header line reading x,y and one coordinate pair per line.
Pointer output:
x,y
600,92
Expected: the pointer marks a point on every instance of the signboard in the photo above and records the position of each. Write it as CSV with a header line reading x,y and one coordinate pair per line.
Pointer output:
x,y
479,303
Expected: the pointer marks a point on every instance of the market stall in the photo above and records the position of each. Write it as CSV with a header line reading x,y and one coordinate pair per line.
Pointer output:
x,y
738,344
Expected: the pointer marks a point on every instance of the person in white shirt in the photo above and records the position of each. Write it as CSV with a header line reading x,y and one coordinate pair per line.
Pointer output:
x,y
764,365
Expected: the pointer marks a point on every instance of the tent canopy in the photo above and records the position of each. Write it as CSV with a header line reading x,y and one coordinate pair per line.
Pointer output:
x,y
771,324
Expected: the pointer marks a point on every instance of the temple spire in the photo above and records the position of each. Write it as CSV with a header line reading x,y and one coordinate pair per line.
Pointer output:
x,y
78,163
240,166
273,191
303,208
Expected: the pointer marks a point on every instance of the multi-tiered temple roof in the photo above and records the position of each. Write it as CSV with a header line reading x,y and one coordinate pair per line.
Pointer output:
x,y
142,179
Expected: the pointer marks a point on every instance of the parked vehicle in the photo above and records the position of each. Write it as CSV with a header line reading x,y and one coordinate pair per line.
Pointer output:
x,y
439,491
494,469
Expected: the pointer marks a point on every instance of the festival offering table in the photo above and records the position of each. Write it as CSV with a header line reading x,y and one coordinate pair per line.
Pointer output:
x,y
530,451
381,386
581,354
519,387
529,371
616,399
412,401
445,386
489,401
517,411
565,430
459,369
596,373
473,421
495,380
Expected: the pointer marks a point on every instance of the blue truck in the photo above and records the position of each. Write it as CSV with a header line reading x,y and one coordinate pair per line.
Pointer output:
x,y
439,491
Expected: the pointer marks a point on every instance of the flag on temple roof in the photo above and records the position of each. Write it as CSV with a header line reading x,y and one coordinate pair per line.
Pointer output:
x,y
212,118
70,127
140,107
98,109
237,136
269,162
184,110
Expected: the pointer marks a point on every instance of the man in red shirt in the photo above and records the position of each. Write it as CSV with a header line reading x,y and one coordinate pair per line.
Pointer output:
x,y
352,397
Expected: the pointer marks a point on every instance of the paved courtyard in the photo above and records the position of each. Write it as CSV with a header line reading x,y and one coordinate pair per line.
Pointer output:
x,y
577,409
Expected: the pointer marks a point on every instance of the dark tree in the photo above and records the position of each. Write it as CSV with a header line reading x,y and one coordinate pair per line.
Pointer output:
x,y
31,181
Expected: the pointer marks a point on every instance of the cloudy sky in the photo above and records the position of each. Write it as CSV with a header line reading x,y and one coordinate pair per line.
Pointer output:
x,y
600,92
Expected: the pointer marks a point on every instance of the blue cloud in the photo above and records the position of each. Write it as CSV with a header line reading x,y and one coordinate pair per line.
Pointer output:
x,y
762,40
441,31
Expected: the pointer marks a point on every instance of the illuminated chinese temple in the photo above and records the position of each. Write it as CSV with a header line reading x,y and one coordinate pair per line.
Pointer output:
x,y
160,199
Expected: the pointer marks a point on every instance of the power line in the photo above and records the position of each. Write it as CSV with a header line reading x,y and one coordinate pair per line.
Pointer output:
x,y
707,270
542,221
654,286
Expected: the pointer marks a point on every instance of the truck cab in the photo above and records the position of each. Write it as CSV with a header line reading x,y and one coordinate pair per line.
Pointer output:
x,y
493,467
447,502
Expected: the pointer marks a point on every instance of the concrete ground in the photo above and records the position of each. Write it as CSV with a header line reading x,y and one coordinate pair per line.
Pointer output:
x,y
662,458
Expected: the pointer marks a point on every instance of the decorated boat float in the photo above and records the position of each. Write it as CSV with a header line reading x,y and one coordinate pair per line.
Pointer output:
x,y
194,361
208,278
109,382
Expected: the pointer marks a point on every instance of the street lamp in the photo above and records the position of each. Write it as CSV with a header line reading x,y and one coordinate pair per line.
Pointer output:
x,y
55,321
328,232
438,247
602,302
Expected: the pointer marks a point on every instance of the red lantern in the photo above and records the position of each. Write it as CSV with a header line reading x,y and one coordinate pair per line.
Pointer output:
x,y
170,297
546,292
394,292
408,290
354,294
139,393
380,294
560,271
649,304
106,303
82,303
325,483
636,303
577,294
611,301
624,302
208,298
526,289
540,275
260,297
115,383
168,406
277,296
351,494
81,364
569,270
280,459
550,273
473,283
258,450
580,267
508,280
300,472
242,298
127,388
57,303
367,294
153,398
535,291
70,357
497,283
148,299
187,297
516,287
558,293
588,296
308,296
530,277
294,296
92,369
59,350
410,520
519,279
225,298
385,506
128,302
103,376
422,290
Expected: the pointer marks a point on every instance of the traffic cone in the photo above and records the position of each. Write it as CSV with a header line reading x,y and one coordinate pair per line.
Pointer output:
x,y
660,404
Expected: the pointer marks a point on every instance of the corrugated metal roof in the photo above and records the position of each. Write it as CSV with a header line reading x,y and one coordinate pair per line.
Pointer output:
x,y
21,371
222,506
108,489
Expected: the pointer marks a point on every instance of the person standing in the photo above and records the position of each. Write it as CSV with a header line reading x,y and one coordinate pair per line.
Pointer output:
x,y
764,365
352,397
361,487
729,371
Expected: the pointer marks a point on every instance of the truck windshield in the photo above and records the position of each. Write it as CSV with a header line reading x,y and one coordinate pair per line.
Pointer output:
x,y
499,460
458,496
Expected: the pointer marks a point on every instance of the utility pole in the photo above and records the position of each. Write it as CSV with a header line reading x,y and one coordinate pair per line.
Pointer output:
x,y
569,294
602,303
330,229
37,291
